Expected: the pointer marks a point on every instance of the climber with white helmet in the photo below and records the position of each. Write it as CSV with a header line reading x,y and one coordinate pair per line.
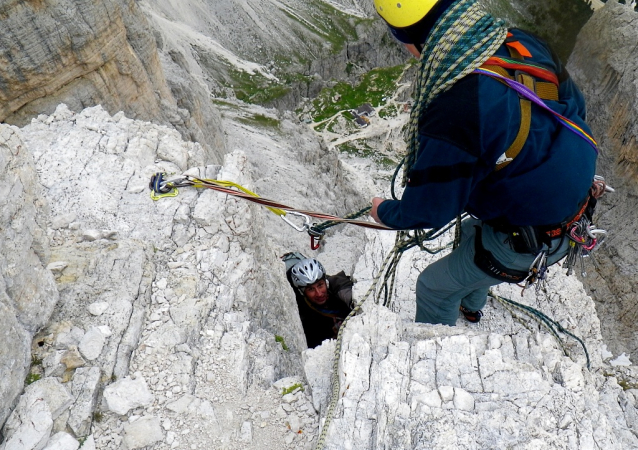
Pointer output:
x,y
497,130
323,301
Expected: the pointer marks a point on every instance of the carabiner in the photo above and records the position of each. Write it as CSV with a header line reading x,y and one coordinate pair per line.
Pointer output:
x,y
304,227
160,187
315,237
315,242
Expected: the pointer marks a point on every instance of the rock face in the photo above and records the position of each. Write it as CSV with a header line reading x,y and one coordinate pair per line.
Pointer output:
x,y
176,290
268,51
27,290
605,67
187,295
87,53
174,326
558,22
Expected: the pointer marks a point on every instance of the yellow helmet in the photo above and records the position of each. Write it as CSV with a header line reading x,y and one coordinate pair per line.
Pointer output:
x,y
403,13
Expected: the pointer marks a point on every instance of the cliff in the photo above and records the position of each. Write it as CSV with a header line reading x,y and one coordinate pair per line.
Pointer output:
x,y
604,65
87,53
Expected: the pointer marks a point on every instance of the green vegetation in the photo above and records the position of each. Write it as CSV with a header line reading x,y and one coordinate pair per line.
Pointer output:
x,y
260,120
98,416
373,88
255,88
292,388
220,102
332,25
280,339
626,385
32,378
360,148
388,111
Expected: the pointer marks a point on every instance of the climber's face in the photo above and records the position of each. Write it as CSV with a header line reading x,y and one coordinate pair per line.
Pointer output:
x,y
317,292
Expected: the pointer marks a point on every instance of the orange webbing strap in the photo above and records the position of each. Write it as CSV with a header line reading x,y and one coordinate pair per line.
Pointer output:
x,y
523,130
517,49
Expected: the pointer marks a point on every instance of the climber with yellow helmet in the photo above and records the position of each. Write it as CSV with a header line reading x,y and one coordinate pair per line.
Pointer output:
x,y
497,130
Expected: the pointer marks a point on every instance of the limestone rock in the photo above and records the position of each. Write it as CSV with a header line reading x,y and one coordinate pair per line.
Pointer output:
x,y
96,52
98,308
143,432
54,393
62,441
92,343
84,390
27,290
29,425
604,67
127,394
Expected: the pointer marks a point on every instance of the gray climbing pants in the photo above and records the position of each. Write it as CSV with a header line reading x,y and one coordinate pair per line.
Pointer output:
x,y
455,280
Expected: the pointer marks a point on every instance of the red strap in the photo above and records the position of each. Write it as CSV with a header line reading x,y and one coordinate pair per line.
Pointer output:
x,y
534,71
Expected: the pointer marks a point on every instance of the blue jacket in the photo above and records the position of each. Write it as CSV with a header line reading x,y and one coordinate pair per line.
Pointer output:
x,y
467,128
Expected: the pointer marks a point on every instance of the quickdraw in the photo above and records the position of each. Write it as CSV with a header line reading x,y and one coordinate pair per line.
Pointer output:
x,y
161,186
159,189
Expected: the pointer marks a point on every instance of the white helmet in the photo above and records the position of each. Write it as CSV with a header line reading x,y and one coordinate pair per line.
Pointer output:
x,y
306,271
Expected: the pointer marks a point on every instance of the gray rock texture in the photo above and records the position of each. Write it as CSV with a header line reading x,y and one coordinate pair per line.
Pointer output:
x,y
27,290
170,324
87,53
127,394
605,67
29,425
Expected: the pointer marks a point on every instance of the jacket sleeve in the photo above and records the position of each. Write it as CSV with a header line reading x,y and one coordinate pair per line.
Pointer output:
x,y
341,284
438,187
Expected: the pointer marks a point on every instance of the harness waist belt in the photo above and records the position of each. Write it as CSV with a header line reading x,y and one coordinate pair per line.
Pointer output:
x,y
485,261
552,231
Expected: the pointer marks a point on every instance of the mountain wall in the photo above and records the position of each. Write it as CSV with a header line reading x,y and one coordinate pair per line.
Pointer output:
x,y
91,52
604,65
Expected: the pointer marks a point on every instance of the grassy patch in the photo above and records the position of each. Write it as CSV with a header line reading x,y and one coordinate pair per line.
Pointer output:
x,y
255,88
626,385
388,111
260,120
32,378
374,87
360,148
280,339
292,389
330,24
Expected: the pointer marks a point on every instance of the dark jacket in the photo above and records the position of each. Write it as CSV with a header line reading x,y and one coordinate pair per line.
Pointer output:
x,y
464,132
322,322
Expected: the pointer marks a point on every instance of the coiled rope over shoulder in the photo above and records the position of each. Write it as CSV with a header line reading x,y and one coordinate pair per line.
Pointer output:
x,y
461,41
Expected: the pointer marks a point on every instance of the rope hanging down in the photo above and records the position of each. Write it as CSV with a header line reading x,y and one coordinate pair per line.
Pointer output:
x,y
551,325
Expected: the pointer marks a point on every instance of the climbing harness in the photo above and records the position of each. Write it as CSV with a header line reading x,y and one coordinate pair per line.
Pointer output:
x,y
161,187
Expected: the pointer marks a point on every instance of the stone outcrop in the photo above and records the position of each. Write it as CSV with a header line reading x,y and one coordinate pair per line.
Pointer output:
x,y
87,53
166,329
174,326
175,292
604,65
27,289
558,22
